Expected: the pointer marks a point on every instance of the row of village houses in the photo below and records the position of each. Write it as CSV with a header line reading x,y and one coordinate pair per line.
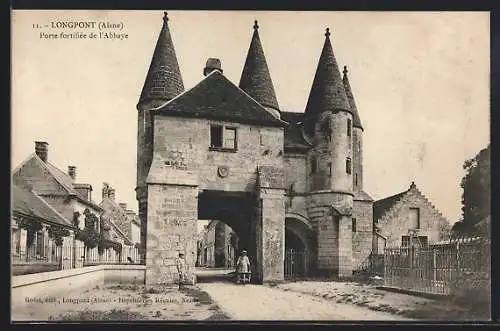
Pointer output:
x,y
56,224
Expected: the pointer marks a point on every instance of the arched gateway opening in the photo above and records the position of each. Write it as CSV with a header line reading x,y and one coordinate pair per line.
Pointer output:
x,y
231,229
299,247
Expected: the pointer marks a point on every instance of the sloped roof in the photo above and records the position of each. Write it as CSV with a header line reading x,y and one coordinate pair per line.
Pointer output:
x,y
255,78
327,91
217,98
380,207
294,140
356,120
29,204
108,213
362,195
60,177
163,81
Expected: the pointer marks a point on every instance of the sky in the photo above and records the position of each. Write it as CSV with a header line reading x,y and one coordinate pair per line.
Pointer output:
x,y
421,83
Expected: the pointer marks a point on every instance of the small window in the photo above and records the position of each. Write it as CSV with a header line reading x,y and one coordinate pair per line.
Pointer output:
x,y
356,179
314,165
223,137
354,224
349,127
359,146
216,136
424,242
348,165
405,241
330,168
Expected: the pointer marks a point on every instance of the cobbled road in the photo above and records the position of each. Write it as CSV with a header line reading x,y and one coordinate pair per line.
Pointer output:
x,y
260,302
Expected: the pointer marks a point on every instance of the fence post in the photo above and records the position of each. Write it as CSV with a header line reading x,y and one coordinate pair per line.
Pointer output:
x,y
434,266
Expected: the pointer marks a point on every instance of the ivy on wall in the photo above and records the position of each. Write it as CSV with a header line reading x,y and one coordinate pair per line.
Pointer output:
x,y
31,227
57,233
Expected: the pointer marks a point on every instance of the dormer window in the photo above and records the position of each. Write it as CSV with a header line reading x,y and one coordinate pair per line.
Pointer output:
x,y
223,138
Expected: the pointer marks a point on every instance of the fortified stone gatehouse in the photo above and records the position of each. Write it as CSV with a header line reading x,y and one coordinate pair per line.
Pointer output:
x,y
228,152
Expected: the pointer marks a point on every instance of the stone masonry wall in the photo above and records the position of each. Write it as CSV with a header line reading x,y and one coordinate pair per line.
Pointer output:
x,y
174,139
334,233
273,234
295,172
172,228
362,238
396,223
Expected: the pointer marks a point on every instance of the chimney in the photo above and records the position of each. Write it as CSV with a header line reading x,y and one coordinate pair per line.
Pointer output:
x,y
105,190
212,64
72,172
123,205
111,193
41,149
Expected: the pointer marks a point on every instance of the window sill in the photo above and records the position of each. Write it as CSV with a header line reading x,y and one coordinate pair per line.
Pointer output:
x,y
222,149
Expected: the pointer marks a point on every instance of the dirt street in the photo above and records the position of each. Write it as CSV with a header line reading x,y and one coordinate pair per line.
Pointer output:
x,y
257,302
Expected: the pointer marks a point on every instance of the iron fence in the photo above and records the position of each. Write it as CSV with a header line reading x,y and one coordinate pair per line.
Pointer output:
x,y
437,268
49,257
297,263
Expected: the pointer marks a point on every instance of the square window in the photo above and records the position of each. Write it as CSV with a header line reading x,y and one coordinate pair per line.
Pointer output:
x,y
222,137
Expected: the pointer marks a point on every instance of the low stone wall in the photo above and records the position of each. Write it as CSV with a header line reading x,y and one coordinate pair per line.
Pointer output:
x,y
57,283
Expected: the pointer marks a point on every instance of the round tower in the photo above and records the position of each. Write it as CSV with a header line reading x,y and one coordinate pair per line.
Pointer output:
x,y
357,141
329,122
163,82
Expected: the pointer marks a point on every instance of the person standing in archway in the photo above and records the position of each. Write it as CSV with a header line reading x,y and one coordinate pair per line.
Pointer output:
x,y
243,266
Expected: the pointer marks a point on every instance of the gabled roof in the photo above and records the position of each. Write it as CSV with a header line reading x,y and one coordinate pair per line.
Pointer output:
x,y
327,91
294,139
380,207
255,78
107,215
163,81
217,98
60,177
361,195
29,204
356,120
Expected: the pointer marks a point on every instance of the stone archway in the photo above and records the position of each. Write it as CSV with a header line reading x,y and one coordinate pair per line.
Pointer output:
x,y
299,246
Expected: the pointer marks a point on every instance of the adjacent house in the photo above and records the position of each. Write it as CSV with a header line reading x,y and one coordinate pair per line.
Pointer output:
x,y
123,224
40,235
407,219
44,194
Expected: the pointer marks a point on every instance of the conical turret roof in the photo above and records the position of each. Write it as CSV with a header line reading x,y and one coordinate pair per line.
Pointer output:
x,y
356,120
327,91
255,78
163,81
